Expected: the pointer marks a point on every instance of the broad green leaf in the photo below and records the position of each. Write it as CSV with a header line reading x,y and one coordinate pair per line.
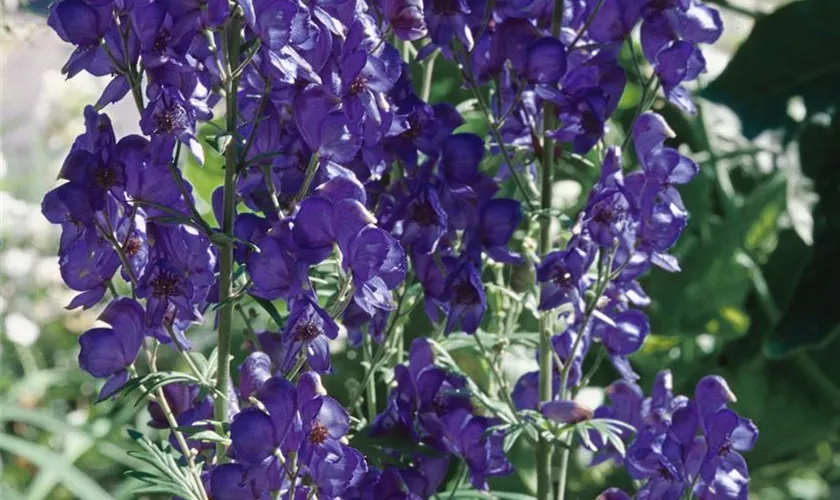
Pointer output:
x,y
810,314
791,52
73,479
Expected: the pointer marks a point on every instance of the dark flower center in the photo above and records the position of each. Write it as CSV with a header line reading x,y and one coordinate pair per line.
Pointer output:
x,y
561,276
171,118
464,293
424,214
591,124
319,433
161,42
105,178
414,126
360,84
164,285
307,331
446,7
606,213
132,246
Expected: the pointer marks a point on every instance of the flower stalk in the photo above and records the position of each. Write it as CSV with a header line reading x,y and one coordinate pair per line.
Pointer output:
x,y
232,41
544,448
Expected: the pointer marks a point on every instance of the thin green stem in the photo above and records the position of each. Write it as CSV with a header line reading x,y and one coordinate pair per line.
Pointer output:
x,y
160,397
497,135
231,40
182,187
544,448
428,73
250,334
311,170
297,367
500,379
370,388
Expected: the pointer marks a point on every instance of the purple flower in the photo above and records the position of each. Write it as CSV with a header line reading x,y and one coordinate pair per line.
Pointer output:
x,y
179,396
309,329
87,268
271,20
274,269
163,39
107,352
560,273
497,220
566,412
447,19
405,18
169,117
424,220
378,264
179,274
253,372
691,442
613,494
611,215
467,300
230,482
364,78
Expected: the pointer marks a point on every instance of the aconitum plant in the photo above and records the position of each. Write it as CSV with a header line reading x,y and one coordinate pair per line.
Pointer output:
x,y
348,198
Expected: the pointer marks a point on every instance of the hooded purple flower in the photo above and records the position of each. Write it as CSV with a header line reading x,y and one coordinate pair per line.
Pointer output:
x,y
447,19
309,329
180,273
365,77
610,215
425,220
406,18
168,117
467,300
107,352
561,272
274,269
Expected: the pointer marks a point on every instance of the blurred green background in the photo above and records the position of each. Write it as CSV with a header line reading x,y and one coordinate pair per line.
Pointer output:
x,y
757,302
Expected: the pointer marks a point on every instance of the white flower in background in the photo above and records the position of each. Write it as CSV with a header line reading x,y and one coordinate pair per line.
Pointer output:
x,y
17,263
22,223
20,330
2,165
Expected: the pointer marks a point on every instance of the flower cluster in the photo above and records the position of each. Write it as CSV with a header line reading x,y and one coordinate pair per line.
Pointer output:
x,y
433,407
332,154
627,226
682,444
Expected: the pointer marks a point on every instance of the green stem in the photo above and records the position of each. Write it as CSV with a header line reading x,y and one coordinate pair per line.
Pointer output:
x,y
494,129
188,199
500,380
311,170
370,388
232,40
544,449
428,73
249,331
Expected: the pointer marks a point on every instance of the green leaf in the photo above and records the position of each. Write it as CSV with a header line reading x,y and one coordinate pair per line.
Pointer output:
x,y
791,52
73,479
211,175
272,311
